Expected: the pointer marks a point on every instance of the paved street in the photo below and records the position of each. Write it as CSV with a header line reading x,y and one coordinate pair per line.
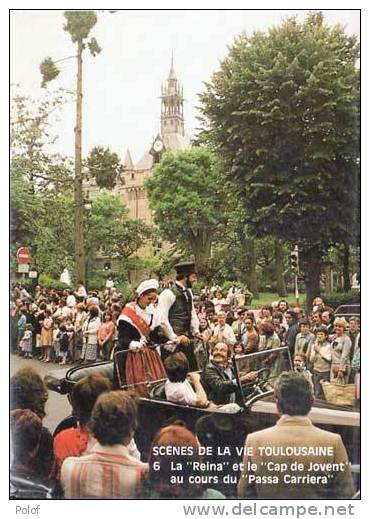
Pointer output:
x,y
57,406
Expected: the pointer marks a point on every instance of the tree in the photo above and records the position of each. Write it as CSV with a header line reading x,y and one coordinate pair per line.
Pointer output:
x,y
283,113
185,197
40,182
111,232
79,25
104,166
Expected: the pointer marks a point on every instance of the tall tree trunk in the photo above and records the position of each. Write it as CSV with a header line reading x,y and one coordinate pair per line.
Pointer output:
x,y
312,260
201,246
80,267
279,268
346,277
253,284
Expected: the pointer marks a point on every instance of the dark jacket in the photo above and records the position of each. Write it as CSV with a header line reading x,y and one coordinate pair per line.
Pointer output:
x,y
290,336
217,384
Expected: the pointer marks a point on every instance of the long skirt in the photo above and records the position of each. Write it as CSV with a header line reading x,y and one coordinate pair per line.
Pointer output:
x,y
89,351
143,367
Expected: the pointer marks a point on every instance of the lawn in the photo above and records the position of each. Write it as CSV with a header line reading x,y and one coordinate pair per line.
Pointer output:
x,y
268,298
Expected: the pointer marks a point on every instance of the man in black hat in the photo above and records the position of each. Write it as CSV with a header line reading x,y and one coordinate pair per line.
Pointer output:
x,y
179,321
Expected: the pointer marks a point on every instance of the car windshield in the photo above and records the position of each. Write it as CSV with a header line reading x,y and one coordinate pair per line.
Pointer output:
x,y
257,372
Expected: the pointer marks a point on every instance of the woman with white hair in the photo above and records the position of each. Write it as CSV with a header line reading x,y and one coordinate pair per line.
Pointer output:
x,y
137,320
340,351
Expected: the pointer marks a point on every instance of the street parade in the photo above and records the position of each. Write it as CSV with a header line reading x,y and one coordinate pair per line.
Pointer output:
x,y
185,315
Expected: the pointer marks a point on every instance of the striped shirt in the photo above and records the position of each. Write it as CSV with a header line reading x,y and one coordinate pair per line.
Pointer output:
x,y
105,472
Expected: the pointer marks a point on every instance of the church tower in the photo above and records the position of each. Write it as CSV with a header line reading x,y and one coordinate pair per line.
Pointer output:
x,y
172,108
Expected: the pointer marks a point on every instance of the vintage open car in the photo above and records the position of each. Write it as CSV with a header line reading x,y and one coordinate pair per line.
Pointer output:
x,y
217,427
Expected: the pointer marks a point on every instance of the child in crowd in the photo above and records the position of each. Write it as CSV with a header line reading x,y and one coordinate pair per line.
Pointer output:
x,y
304,339
300,366
56,343
320,358
63,338
25,344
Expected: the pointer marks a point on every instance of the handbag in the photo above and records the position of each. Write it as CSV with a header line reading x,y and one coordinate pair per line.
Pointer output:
x,y
338,392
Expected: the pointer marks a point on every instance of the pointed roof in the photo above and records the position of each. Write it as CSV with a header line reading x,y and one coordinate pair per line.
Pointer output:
x,y
146,161
127,163
172,74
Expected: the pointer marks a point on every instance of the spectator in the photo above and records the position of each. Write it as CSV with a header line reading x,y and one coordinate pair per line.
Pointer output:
x,y
353,334
25,344
327,318
292,330
315,318
239,327
26,432
22,320
295,430
46,339
28,391
106,334
320,358
304,339
269,339
108,471
158,484
251,336
277,321
223,332
220,302
90,333
340,351
76,440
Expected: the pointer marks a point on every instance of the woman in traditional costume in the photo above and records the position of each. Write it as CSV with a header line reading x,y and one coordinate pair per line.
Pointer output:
x,y
140,364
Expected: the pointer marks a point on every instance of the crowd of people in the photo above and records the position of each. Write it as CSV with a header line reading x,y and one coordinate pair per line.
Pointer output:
x,y
76,326
195,338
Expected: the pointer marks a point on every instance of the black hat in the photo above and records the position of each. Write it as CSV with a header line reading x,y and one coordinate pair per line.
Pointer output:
x,y
185,268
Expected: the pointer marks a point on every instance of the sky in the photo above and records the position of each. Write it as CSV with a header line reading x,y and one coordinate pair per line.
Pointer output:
x,y
121,105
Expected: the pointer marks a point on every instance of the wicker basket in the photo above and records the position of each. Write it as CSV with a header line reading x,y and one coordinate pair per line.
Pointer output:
x,y
338,393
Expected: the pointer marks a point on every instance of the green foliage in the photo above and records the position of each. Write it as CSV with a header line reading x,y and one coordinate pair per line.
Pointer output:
x,y
283,113
104,166
48,282
94,47
79,24
186,200
49,71
127,290
110,230
335,299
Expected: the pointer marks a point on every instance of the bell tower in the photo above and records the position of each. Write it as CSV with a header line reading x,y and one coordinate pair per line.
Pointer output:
x,y
172,106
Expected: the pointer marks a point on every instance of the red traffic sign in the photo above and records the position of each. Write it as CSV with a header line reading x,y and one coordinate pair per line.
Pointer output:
x,y
23,255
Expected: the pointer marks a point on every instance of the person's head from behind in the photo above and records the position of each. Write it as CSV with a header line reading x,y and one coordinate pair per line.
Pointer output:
x,y
28,391
177,367
85,393
114,417
26,429
291,317
173,436
267,329
293,394
93,311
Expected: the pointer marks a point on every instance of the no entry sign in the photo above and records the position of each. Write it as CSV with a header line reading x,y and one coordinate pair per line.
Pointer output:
x,y
23,255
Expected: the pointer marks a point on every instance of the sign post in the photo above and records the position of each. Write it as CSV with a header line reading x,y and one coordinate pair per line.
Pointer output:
x,y
24,260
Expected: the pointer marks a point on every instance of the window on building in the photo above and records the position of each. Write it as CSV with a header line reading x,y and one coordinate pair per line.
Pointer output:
x,y
132,176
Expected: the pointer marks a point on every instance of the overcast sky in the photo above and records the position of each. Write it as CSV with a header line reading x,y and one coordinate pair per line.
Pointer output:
x,y
122,84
